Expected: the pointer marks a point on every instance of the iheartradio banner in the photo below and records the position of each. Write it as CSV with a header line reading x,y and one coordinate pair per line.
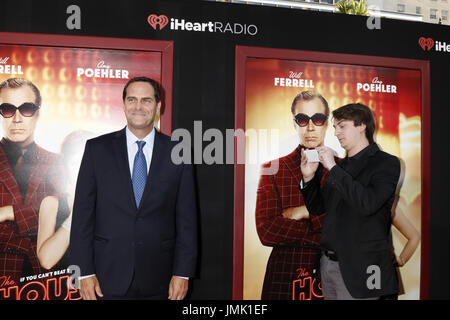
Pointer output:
x,y
81,93
274,267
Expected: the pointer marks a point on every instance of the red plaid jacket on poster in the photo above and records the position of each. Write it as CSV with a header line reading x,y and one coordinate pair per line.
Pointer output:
x,y
18,237
295,243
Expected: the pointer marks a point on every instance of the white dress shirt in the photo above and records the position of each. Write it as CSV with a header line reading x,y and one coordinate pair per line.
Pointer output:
x,y
132,149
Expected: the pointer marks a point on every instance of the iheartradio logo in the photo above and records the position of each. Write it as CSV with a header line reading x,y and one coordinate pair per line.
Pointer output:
x,y
154,20
426,43
180,24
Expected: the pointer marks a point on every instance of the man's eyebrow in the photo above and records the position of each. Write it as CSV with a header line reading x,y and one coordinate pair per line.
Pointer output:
x,y
149,97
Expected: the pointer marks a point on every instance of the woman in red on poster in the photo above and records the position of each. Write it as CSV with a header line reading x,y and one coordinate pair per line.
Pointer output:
x,y
55,215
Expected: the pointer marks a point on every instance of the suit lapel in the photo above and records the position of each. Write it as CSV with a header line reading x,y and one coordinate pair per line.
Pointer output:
x,y
7,177
121,155
293,162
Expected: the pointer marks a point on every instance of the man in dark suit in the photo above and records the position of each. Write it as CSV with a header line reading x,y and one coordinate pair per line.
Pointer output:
x,y
134,217
357,260
27,175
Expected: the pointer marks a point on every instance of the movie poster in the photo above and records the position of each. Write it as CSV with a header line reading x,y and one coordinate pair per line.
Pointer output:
x,y
40,153
394,96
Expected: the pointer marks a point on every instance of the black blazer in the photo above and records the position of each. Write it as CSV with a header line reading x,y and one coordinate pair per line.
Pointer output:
x,y
113,238
364,197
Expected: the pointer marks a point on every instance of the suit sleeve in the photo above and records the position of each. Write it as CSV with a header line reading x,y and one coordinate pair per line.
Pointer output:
x,y
83,217
26,218
312,194
186,225
367,199
273,229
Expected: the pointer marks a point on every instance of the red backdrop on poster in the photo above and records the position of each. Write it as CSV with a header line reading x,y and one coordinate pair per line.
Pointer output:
x,y
81,80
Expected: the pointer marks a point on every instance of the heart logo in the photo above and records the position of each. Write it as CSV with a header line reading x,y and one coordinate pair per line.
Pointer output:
x,y
154,20
426,43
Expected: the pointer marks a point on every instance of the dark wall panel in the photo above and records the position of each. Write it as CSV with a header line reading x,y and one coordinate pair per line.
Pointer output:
x,y
204,90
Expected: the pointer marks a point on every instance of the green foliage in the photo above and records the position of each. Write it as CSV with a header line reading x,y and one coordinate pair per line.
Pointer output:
x,y
352,7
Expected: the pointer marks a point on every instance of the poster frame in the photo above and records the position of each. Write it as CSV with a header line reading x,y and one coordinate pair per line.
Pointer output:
x,y
242,54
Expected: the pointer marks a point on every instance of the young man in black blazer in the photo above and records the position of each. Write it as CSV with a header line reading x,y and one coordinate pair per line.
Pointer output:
x,y
357,260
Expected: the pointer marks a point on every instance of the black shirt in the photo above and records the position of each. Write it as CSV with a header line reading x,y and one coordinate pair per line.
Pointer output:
x,y
13,152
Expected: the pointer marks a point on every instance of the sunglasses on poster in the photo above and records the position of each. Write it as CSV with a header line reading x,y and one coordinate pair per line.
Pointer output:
x,y
318,119
27,109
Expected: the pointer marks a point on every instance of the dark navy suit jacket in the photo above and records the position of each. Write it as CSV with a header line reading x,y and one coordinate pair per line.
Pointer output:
x,y
113,238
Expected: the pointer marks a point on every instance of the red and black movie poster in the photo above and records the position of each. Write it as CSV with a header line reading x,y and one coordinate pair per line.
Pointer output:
x,y
53,98
274,258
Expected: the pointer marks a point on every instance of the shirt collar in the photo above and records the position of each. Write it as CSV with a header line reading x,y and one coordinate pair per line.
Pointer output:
x,y
10,144
131,138
360,153
14,148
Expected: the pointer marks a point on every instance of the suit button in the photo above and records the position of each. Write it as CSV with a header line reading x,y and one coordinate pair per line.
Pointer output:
x,y
139,243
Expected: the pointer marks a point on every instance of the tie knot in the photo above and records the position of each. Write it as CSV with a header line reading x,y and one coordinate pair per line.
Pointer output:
x,y
140,145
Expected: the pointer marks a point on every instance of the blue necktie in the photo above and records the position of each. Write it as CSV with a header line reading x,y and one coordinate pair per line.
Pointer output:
x,y
139,173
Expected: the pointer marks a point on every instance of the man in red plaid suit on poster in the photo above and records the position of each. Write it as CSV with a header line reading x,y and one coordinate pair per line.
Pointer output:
x,y
25,179
282,220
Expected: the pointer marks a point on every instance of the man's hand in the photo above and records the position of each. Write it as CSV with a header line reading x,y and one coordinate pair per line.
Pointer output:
x,y
178,288
89,287
296,213
308,168
326,157
6,213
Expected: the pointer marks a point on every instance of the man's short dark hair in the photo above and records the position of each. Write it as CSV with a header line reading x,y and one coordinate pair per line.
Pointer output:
x,y
14,83
152,82
359,114
307,96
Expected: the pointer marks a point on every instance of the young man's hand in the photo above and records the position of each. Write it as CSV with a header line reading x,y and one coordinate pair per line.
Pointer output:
x,y
326,157
308,168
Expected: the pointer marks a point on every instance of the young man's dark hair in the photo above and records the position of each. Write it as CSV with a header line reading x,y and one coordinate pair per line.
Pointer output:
x,y
359,114
152,82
